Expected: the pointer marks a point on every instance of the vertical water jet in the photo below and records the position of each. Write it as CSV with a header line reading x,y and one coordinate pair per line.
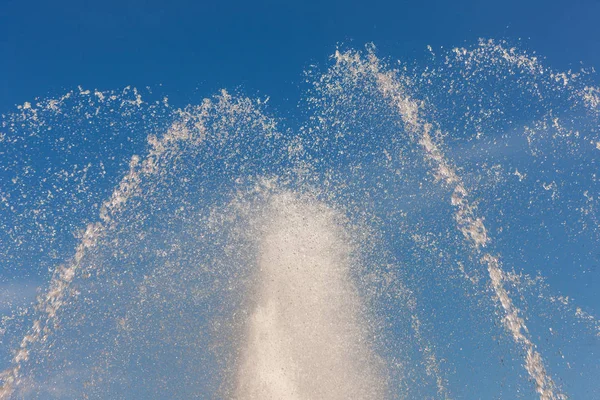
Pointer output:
x,y
306,335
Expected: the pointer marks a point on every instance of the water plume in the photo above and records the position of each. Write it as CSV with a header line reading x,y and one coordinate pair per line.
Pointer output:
x,y
306,338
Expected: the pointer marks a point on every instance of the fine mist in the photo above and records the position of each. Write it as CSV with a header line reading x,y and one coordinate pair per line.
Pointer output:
x,y
306,336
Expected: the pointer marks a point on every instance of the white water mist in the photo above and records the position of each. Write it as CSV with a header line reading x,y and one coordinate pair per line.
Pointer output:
x,y
306,335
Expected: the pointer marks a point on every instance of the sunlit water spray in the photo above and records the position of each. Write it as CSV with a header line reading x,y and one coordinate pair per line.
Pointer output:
x,y
306,337
421,234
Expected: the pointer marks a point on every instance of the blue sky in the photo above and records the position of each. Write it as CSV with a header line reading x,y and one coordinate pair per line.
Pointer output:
x,y
196,47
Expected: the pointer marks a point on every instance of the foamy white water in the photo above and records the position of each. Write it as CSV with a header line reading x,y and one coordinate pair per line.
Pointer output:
x,y
307,335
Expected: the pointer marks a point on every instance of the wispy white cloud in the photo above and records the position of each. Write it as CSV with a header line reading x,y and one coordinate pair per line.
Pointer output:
x,y
14,295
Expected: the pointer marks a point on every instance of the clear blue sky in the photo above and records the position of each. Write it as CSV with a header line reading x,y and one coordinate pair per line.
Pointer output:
x,y
48,47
